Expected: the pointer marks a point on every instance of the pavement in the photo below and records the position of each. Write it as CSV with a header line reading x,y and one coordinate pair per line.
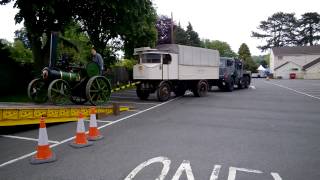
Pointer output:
x,y
269,131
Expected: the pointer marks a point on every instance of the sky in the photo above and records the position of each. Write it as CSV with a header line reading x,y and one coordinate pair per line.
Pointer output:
x,y
231,21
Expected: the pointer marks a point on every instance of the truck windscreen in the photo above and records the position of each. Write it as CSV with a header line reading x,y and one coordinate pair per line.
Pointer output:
x,y
150,58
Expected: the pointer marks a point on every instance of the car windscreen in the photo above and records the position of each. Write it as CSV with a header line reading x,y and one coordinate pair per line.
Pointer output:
x,y
150,58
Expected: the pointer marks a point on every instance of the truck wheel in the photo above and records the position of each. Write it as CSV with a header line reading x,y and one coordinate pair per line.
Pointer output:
x,y
142,94
246,82
201,89
241,83
163,92
230,85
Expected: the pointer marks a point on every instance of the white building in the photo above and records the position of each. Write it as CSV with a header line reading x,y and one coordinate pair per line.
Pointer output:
x,y
304,61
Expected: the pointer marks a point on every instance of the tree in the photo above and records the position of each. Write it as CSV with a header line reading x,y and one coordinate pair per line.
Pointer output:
x,y
40,19
164,25
193,37
20,53
180,35
278,30
245,55
21,35
223,47
131,21
309,28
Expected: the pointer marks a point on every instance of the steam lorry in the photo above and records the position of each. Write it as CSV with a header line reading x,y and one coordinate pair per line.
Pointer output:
x,y
178,68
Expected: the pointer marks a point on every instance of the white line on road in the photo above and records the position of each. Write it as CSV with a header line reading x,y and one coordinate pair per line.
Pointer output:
x,y
276,176
71,138
26,138
233,172
165,169
215,172
103,121
299,92
252,87
185,166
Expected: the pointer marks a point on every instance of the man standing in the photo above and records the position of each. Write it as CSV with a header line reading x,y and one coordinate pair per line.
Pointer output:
x,y
97,58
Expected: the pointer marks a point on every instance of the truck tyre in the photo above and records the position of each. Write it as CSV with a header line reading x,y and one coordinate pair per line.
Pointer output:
x,y
246,82
230,85
163,92
201,89
142,94
241,83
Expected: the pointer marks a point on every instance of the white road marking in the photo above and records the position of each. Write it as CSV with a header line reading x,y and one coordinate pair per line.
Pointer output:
x,y
299,92
26,138
71,138
102,121
185,166
233,172
276,176
215,172
252,87
165,169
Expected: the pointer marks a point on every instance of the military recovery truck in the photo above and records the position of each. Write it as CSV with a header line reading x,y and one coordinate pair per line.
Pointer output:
x,y
231,73
175,68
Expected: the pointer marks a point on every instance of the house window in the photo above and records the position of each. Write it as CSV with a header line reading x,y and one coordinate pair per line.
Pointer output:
x,y
280,57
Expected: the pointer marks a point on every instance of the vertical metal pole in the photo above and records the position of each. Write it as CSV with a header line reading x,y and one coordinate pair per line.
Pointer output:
x,y
53,48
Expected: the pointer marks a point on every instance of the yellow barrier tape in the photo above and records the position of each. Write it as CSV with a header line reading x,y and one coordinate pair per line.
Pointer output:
x,y
24,116
125,86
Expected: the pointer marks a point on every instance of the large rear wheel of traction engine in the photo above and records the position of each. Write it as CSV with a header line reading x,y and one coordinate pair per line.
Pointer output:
x,y
201,89
163,91
98,90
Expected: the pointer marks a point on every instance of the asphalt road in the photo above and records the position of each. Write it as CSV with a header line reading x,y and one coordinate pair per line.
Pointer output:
x,y
269,131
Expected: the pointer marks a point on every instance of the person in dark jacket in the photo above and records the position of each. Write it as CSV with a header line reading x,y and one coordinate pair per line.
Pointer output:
x,y
97,58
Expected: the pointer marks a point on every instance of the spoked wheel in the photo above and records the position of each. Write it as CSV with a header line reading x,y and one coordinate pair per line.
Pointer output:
x,y
98,90
59,92
163,92
37,91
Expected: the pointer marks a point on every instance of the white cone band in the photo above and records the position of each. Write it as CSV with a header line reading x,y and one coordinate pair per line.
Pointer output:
x,y
80,126
93,120
43,137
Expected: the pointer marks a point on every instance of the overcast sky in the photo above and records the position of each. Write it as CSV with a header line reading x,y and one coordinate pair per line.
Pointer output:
x,y
227,20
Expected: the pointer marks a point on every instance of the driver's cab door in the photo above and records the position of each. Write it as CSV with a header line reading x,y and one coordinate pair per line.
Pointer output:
x,y
166,61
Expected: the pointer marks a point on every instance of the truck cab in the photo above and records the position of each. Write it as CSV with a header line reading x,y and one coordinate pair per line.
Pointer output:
x,y
231,73
155,65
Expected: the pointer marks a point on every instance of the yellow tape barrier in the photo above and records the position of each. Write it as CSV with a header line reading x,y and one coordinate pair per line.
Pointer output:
x,y
125,86
31,115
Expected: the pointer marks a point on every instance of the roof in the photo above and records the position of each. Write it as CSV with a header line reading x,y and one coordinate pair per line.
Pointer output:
x,y
286,64
310,64
281,65
280,51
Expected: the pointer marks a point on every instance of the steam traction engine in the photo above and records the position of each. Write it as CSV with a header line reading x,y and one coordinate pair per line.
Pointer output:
x,y
77,84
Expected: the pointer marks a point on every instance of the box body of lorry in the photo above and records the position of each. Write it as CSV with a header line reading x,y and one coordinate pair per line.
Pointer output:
x,y
187,63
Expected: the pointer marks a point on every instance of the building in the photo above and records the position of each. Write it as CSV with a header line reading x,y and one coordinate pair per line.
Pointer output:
x,y
303,61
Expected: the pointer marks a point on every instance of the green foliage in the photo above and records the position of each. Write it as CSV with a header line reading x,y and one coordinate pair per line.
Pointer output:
x,y
309,29
180,35
20,53
223,47
14,76
193,37
283,29
245,55
278,30
131,21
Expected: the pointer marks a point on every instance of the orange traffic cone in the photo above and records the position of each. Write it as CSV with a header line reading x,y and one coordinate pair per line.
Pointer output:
x,y
44,153
80,140
94,133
